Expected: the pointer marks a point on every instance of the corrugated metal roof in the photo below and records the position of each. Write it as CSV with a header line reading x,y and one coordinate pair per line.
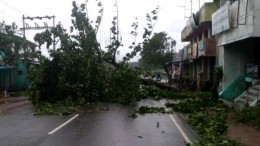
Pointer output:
x,y
2,66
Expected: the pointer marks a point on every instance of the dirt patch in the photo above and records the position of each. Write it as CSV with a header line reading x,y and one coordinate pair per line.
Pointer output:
x,y
247,135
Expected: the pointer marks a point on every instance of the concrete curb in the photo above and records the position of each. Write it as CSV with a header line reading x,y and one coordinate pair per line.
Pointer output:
x,y
192,134
189,131
9,106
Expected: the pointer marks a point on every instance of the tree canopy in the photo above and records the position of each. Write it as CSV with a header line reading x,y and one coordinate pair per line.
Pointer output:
x,y
7,39
157,51
11,43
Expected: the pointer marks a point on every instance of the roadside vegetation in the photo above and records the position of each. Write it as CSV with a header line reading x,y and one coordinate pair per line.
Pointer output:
x,y
154,92
206,115
208,119
250,116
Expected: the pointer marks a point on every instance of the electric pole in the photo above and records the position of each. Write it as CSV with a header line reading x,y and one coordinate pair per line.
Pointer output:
x,y
190,8
184,7
117,20
199,4
36,26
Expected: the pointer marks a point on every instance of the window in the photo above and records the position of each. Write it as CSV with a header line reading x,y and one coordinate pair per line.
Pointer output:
x,y
206,34
232,1
20,72
223,2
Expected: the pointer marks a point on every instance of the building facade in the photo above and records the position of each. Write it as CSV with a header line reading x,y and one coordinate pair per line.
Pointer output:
x,y
202,49
236,25
15,60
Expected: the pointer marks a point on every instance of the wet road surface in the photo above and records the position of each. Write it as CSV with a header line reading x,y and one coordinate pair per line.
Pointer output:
x,y
101,125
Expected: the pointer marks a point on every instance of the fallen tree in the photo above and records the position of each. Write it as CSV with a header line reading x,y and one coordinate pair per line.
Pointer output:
x,y
79,70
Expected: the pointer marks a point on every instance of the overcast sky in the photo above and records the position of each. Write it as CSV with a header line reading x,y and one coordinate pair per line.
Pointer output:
x,y
171,17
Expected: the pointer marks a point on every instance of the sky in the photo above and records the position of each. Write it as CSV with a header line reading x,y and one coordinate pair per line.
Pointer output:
x,y
172,16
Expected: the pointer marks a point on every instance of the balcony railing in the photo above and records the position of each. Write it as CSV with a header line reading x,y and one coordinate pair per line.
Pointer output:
x,y
194,51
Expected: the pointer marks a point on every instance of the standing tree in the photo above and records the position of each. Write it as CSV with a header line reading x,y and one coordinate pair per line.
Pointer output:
x,y
157,51
7,40
11,44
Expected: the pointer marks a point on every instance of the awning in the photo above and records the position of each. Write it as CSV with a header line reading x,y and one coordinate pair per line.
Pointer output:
x,y
4,67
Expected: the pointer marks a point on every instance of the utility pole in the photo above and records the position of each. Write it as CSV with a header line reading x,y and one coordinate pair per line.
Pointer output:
x,y
184,7
36,26
53,24
190,8
117,20
199,4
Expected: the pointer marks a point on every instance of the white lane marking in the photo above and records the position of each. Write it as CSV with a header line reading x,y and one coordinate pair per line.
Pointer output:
x,y
183,134
62,125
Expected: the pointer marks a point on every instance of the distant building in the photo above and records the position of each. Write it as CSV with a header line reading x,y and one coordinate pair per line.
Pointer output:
x,y
15,60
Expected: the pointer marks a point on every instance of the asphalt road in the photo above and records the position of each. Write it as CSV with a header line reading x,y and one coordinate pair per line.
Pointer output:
x,y
98,125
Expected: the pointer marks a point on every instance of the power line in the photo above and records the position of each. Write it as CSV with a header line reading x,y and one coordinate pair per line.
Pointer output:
x,y
38,27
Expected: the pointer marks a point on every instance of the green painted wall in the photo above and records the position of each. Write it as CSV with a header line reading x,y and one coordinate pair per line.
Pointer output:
x,y
7,78
21,75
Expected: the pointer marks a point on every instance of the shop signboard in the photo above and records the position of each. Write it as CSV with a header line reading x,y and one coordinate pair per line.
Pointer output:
x,y
252,70
185,54
189,50
234,14
210,48
190,25
221,19
243,4
201,47
194,50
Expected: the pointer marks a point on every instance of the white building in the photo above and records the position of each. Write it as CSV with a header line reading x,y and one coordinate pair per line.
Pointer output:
x,y
236,25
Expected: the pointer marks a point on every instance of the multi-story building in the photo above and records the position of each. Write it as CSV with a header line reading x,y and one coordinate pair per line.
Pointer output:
x,y
201,54
236,25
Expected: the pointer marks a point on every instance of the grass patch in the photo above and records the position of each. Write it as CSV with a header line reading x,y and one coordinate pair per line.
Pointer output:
x,y
249,116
